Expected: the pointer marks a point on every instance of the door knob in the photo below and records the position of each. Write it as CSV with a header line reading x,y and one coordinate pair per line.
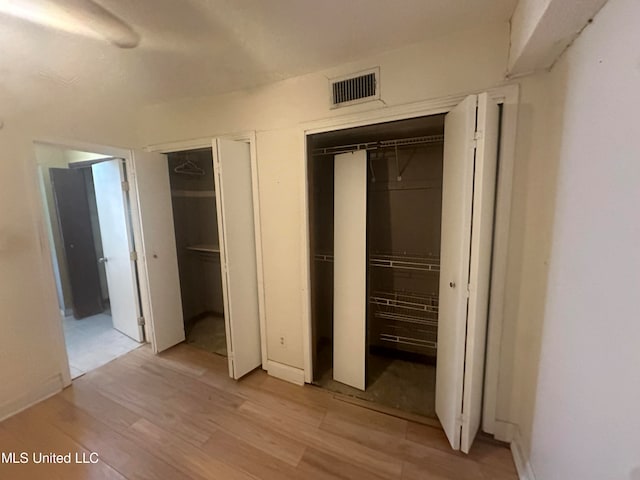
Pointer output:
x,y
452,284
102,260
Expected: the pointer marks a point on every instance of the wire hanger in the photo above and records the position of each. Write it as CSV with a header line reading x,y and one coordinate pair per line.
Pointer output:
x,y
189,168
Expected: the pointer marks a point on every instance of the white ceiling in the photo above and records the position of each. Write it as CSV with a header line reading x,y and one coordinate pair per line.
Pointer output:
x,y
204,47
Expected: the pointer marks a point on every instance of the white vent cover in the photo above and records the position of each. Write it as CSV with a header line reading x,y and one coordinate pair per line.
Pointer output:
x,y
355,88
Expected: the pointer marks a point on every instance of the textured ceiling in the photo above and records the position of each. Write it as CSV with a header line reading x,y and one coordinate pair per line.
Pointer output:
x,y
204,47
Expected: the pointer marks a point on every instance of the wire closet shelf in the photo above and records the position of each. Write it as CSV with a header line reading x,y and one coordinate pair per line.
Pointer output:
x,y
400,142
426,263
406,318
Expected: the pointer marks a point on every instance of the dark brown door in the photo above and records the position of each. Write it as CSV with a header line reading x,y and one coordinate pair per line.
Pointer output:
x,y
72,204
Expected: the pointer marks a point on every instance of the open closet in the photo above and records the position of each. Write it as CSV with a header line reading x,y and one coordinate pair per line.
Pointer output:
x,y
401,225
403,215
200,247
193,201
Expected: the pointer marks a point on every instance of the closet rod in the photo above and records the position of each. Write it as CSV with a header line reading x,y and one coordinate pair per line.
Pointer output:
x,y
401,142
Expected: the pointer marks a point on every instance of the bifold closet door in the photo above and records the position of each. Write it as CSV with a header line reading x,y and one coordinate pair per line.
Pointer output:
x,y
350,269
117,245
161,283
238,259
469,175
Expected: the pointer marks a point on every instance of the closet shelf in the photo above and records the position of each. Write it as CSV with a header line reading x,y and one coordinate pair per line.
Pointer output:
x,y
405,307
204,248
413,342
323,257
404,185
405,262
409,320
400,142
194,193
422,263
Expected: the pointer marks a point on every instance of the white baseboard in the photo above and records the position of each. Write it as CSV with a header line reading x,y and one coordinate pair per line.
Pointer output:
x,y
285,372
43,391
525,472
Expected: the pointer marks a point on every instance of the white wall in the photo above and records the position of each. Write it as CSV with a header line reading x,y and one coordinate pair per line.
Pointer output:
x,y
524,20
461,62
50,157
32,358
542,29
578,412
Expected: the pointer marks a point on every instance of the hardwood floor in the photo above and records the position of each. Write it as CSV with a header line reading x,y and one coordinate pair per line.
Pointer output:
x,y
178,415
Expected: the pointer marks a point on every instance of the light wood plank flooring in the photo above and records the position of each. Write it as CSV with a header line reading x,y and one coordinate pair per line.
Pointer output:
x,y
178,415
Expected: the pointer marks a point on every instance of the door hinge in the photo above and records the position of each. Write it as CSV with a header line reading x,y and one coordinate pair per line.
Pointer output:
x,y
477,135
125,186
134,256
141,321
468,290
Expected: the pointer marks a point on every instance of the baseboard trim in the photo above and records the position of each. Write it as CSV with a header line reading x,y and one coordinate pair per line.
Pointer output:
x,y
285,372
43,391
525,472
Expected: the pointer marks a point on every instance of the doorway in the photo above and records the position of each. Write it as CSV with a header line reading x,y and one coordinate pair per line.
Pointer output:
x,y
88,222
401,214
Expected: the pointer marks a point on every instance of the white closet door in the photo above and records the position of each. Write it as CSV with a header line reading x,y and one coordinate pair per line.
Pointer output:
x,y
117,246
232,165
457,185
161,285
484,186
465,265
350,269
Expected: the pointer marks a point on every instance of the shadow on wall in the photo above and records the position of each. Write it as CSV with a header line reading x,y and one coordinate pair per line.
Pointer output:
x,y
538,147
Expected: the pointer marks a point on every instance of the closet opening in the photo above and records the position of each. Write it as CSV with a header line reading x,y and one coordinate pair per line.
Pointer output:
x,y
401,203
193,199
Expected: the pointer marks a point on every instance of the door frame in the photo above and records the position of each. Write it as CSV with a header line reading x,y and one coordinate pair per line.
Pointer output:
x,y
207,142
508,96
49,250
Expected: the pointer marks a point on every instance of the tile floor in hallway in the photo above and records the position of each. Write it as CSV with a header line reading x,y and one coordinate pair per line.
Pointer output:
x,y
93,342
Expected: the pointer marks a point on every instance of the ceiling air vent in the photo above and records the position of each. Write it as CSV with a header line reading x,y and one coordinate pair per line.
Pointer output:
x,y
355,88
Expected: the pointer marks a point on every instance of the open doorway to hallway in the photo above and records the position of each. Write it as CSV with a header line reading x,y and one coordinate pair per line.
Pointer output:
x,y
87,215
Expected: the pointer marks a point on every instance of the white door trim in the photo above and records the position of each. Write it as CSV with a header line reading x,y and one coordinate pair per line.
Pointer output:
x,y
508,96
206,142
47,248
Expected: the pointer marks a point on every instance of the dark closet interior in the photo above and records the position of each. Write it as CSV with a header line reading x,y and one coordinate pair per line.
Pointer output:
x,y
193,198
404,210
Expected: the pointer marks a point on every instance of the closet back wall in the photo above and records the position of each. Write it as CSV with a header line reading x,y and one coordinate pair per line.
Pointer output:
x,y
194,214
322,232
